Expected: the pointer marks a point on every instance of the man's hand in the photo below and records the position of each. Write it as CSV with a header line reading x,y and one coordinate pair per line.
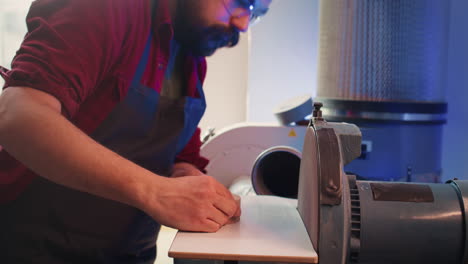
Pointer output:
x,y
182,169
193,203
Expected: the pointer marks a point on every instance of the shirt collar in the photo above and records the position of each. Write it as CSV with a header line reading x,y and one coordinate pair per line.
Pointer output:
x,y
162,15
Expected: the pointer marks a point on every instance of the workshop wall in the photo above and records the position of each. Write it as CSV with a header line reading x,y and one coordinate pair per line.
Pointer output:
x,y
226,86
455,140
283,57
12,29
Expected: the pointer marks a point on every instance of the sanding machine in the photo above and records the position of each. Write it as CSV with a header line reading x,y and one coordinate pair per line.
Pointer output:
x,y
353,221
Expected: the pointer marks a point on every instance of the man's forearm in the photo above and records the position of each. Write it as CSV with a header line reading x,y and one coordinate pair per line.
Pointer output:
x,y
36,134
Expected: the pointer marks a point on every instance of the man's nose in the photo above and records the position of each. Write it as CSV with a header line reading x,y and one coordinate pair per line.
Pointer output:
x,y
241,23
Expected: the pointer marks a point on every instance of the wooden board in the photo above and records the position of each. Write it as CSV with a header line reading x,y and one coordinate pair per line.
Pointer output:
x,y
270,229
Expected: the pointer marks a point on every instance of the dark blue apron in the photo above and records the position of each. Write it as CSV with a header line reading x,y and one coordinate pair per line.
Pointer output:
x,y
50,223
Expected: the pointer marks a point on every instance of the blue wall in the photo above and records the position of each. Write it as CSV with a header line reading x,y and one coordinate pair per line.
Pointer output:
x,y
455,140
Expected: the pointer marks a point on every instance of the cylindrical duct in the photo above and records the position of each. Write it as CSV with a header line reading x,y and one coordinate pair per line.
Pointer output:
x,y
276,172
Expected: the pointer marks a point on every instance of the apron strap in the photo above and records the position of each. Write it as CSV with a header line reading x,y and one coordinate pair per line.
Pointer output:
x,y
143,61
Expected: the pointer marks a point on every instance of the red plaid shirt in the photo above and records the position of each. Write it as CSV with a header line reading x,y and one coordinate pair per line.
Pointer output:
x,y
84,53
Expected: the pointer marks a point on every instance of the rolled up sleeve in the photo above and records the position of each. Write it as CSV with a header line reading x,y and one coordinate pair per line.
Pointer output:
x,y
191,152
69,48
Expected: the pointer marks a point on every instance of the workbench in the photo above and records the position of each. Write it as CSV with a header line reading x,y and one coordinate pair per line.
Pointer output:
x,y
270,230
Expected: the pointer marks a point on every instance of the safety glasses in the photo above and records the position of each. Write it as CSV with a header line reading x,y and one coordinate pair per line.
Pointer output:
x,y
241,8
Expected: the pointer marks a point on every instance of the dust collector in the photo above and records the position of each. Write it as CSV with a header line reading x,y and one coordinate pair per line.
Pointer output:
x,y
382,66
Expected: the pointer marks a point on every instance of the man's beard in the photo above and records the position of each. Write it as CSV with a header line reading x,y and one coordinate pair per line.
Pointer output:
x,y
204,41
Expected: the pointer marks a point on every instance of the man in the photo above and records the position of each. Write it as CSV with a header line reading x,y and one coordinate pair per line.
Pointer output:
x,y
103,101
